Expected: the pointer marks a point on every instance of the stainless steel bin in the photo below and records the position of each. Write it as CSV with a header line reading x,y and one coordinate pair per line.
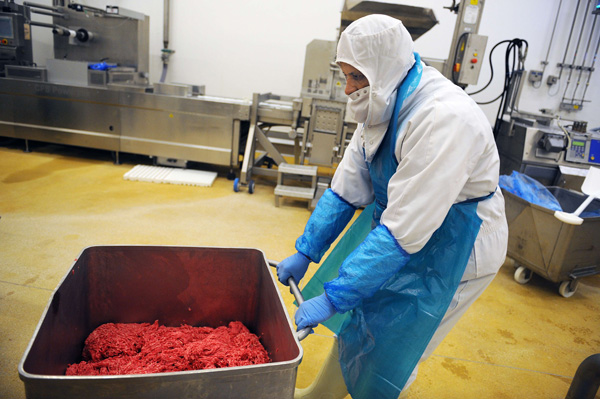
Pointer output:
x,y
175,285
540,243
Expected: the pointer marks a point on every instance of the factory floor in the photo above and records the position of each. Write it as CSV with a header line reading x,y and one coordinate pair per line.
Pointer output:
x,y
516,341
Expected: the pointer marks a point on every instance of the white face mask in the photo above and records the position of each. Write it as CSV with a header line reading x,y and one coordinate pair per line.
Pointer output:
x,y
359,104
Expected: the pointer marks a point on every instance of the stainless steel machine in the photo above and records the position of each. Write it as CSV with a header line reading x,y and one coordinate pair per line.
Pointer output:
x,y
95,93
312,130
553,145
551,150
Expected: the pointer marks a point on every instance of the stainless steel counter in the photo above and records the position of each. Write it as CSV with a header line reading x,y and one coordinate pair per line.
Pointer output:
x,y
201,129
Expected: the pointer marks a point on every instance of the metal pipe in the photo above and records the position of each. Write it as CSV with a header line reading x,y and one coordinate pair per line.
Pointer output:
x,y
49,13
585,55
552,36
305,332
587,379
575,53
587,84
562,66
43,6
166,53
166,17
42,24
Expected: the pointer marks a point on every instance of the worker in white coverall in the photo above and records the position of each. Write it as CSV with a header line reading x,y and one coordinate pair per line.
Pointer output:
x,y
425,154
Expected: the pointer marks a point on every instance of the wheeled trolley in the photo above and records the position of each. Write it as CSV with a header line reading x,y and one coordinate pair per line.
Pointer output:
x,y
540,243
174,285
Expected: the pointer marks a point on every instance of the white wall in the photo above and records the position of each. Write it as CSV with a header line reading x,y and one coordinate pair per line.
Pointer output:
x,y
238,47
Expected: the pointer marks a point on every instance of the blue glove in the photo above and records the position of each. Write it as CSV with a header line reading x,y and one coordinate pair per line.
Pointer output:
x,y
313,312
292,266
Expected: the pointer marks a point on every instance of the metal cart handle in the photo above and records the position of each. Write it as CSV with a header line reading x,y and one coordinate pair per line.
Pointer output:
x,y
305,332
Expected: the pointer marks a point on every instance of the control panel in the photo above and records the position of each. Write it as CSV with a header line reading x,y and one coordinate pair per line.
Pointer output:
x,y
470,54
7,32
583,148
15,36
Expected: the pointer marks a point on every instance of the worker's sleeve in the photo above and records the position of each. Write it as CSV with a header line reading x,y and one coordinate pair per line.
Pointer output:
x,y
328,220
350,188
366,269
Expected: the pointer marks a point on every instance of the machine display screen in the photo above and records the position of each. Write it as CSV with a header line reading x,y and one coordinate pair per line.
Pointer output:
x,y
578,143
6,27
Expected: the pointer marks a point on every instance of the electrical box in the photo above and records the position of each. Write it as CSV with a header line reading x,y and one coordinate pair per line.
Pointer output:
x,y
535,76
469,59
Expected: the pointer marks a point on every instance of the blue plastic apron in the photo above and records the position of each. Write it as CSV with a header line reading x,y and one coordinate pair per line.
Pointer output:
x,y
382,340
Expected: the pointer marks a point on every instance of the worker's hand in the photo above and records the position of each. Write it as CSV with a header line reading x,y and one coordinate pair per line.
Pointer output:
x,y
293,266
313,312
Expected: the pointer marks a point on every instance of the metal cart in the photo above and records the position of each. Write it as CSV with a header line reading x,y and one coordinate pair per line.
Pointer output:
x,y
175,285
540,243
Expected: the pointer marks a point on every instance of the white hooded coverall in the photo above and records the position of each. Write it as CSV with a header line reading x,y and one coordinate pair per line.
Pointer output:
x,y
446,154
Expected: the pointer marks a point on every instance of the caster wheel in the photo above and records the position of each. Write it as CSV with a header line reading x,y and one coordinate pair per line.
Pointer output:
x,y
251,186
236,185
523,275
568,288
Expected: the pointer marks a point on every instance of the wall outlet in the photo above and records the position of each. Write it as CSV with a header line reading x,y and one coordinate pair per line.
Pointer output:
x,y
551,80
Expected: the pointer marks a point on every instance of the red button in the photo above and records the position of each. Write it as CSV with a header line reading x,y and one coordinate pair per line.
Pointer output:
x,y
473,60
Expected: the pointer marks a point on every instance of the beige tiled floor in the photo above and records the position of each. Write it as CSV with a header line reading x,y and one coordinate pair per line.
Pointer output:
x,y
517,341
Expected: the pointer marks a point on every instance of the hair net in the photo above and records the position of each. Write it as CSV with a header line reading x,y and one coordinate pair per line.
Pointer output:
x,y
381,48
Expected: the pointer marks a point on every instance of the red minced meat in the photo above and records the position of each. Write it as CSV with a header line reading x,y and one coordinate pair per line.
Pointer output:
x,y
143,348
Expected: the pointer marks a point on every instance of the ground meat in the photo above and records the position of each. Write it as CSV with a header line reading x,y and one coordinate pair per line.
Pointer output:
x,y
131,348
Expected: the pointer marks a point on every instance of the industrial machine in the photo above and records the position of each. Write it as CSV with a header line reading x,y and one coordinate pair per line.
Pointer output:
x,y
315,128
95,93
552,151
554,146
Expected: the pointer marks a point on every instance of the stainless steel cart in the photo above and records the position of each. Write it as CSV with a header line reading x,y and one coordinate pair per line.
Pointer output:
x,y
175,285
541,244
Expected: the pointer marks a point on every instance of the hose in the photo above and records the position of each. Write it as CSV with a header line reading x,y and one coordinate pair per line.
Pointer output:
x,y
587,379
514,64
163,76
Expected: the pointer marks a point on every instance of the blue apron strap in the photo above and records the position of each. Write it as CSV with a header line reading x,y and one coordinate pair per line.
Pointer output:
x,y
408,86
479,199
